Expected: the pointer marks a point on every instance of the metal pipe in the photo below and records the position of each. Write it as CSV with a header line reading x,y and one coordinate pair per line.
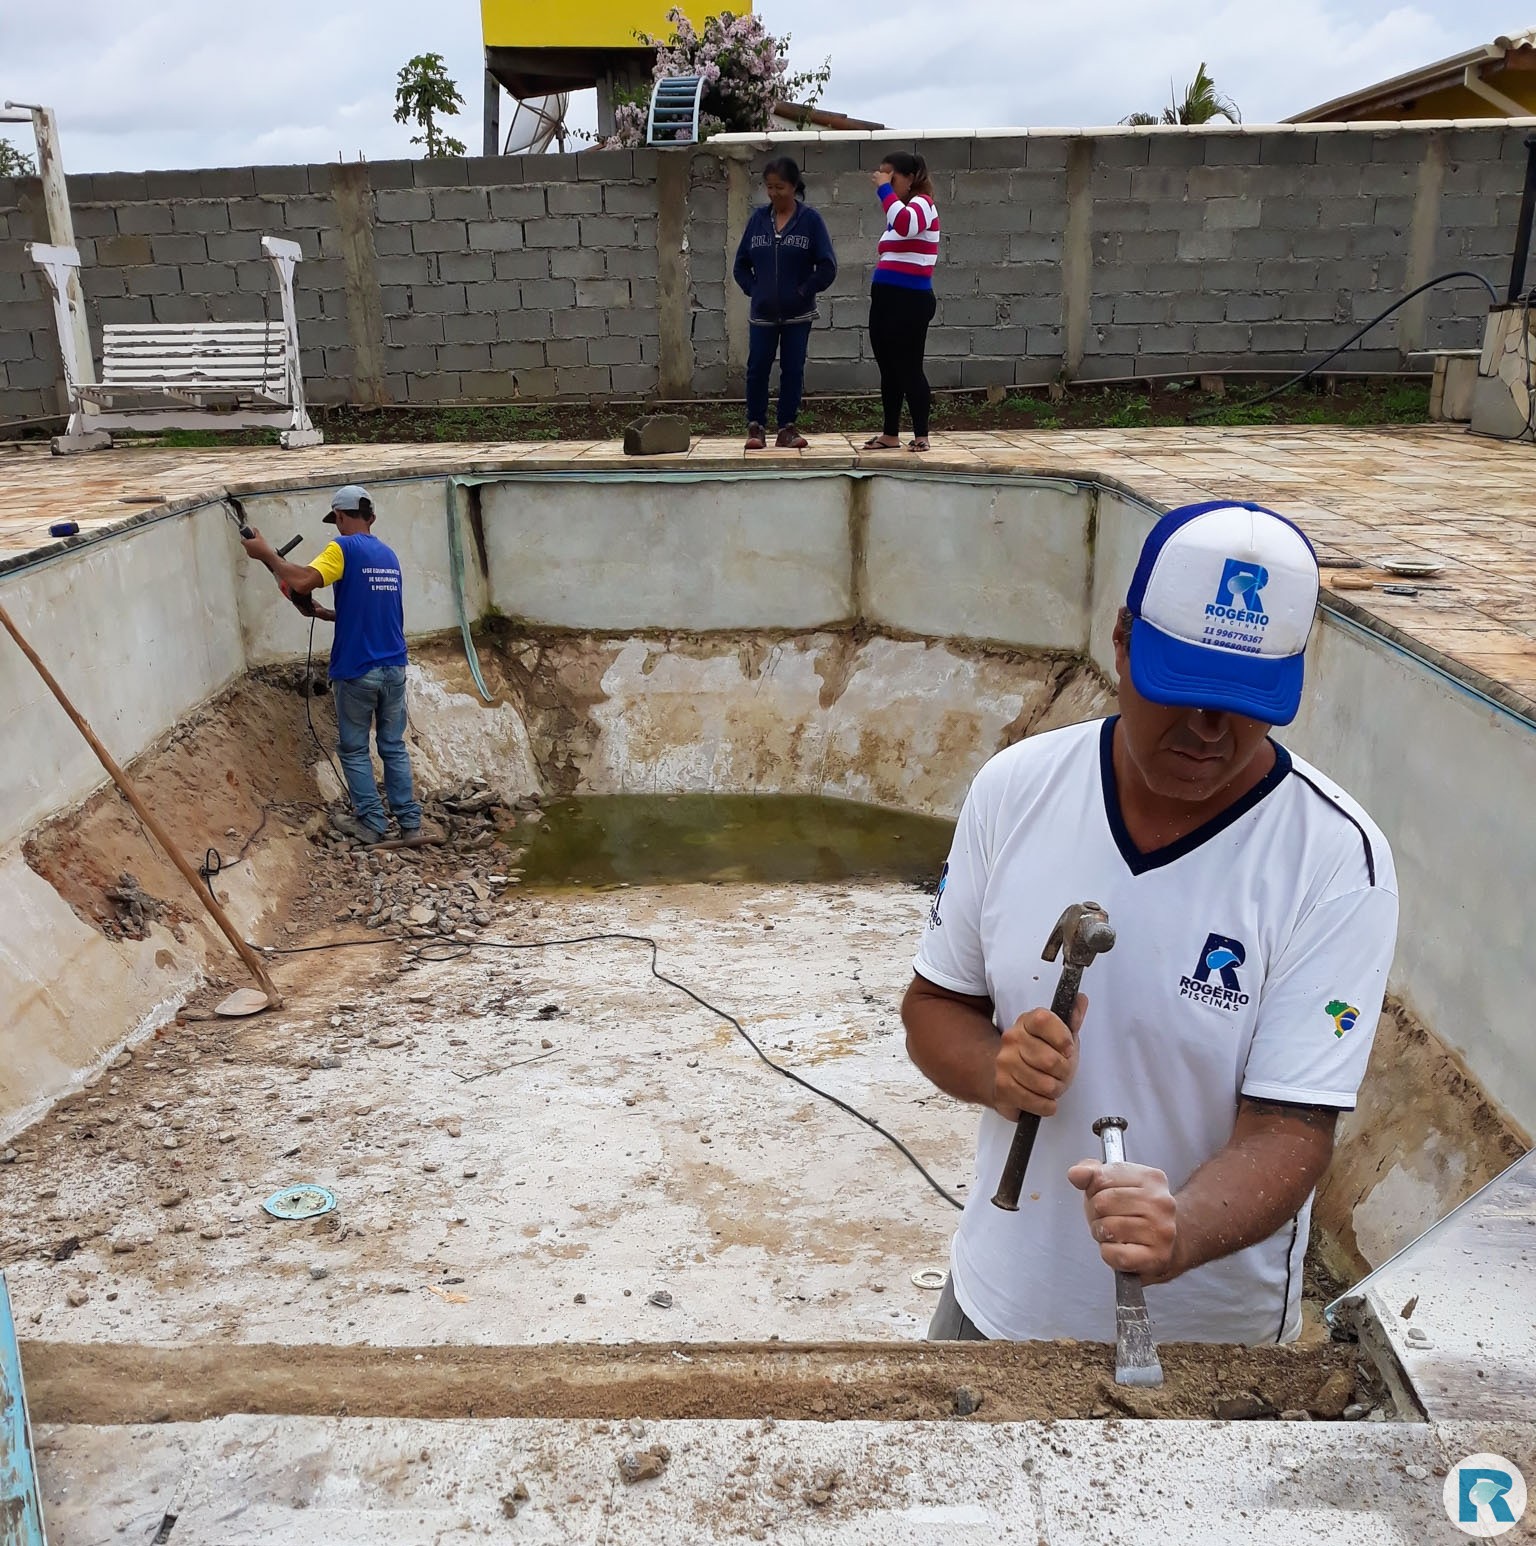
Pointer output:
x,y
1523,229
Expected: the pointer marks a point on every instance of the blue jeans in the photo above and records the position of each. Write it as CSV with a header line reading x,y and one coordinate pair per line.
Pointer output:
x,y
789,341
376,695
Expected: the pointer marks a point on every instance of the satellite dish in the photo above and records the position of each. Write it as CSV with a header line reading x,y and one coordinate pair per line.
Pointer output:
x,y
538,124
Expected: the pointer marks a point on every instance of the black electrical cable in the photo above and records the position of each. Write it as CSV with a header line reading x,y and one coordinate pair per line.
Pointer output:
x,y
460,948
309,718
1312,370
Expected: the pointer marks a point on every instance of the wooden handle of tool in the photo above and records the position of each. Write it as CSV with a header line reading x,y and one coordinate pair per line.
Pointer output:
x,y
1012,1184
162,837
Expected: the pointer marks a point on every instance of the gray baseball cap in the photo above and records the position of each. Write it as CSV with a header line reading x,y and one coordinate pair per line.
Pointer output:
x,y
351,497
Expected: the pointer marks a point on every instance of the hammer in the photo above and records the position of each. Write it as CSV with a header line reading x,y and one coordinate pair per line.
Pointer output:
x,y
1136,1361
1082,932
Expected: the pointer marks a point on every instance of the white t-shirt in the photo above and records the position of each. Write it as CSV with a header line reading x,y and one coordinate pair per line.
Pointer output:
x,y
1251,958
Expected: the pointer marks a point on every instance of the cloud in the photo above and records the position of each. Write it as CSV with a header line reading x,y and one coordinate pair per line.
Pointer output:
x,y
217,83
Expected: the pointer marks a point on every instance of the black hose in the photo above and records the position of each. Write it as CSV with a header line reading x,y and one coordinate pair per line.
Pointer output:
x,y
1312,370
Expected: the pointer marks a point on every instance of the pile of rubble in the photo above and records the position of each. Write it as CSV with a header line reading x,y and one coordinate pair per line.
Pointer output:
x,y
437,891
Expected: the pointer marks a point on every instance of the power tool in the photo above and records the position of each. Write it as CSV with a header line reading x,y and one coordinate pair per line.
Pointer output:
x,y
304,604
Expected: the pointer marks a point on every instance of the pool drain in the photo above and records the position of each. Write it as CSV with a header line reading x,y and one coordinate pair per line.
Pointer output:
x,y
305,1201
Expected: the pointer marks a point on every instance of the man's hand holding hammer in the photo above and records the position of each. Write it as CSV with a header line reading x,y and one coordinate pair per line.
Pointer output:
x,y
1036,1062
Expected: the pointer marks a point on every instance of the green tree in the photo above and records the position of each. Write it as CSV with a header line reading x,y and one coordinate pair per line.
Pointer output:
x,y
423,92
15,163
1202,102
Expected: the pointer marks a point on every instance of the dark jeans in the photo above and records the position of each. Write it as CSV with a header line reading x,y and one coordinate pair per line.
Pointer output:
x,y
790,341
898,334
375,701
950,1323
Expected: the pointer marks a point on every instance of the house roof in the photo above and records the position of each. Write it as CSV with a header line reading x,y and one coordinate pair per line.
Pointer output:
x,y
820,118
1515,51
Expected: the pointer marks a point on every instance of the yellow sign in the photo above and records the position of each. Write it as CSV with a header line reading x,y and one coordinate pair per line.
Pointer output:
x,y
588,23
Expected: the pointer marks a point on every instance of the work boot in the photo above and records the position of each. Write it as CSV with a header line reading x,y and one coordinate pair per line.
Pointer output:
x,y
351,826
418,837
790,439
757,437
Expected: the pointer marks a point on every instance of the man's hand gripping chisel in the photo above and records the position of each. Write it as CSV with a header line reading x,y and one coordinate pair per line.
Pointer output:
x,y
1082,932
305,604
1136,1361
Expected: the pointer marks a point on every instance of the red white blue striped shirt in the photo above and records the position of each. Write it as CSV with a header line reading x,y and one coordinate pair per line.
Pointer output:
x,y
909,246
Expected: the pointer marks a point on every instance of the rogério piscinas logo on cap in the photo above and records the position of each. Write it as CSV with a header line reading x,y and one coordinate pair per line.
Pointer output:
x,y
1236,619
1220,958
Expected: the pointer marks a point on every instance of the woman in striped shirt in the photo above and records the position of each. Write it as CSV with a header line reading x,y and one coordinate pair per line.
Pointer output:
x,y
901,303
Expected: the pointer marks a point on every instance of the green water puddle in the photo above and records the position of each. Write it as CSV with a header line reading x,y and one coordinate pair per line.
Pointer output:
x,y
649,840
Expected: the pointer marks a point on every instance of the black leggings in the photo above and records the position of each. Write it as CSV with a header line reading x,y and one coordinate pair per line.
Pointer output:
x,y
898,334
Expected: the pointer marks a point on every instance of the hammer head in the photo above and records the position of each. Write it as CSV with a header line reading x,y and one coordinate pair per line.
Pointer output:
x,y
1082,932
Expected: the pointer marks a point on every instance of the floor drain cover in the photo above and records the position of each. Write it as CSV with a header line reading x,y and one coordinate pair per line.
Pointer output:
x,y
929,1277
305,1201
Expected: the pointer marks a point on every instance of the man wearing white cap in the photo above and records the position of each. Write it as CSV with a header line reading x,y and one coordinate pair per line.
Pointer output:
x,y
1255,909
367,661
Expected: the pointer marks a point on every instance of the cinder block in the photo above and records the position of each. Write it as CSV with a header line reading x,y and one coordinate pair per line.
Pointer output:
x,y
180,308
1233,214
578,263
1284,274
1201,246
1287,337
549,294
1218,182
1228,148
1140,308
1121,150
415,359
464,357
171,185
964,253
439,236
583,324
439,172
517,203
87,219
1226,337
155,279
144,219
1121,214
584,198
526,325
1168,338
405,204
1155,183
437,298
828,158
1177,150
391,240
495,235
967,311
629,199
605,165
412,269
522,264
584,381
235,308
551,232
308,213
227,182
470,327
208,279
549,169
131,251
1267,243
254,277
281,180
517,356
460,204
114,187
602,293
1312,306
990,187
565,353
633,381
386,174
487,385
1262,307
610,231
417,328
460,266
635,322
1288,149
178,249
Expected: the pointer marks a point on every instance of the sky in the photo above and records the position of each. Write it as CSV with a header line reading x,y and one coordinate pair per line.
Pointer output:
x,y
182,83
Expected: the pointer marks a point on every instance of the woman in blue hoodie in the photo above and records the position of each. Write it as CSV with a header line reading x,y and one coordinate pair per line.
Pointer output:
x,y
784,262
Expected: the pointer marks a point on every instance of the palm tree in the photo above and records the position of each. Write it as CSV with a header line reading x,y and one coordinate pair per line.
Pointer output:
x,y
1202,102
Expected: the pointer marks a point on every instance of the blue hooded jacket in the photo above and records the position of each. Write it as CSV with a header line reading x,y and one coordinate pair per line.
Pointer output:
x,y
784,271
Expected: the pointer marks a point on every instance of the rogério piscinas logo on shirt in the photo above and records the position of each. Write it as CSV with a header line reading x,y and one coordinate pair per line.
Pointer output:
x,y
1236,619
1215,979
934,921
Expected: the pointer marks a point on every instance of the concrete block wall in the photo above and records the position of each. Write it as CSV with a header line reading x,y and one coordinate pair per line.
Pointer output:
x,y
1092,254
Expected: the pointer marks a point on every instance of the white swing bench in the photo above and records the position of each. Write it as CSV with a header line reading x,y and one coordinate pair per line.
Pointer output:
x,y
196,375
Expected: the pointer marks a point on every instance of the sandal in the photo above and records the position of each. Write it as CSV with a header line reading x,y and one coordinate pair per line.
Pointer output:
x,y
919,443
880,443
757,437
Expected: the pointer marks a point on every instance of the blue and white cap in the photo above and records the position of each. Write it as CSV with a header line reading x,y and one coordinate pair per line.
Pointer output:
x,y
1223,600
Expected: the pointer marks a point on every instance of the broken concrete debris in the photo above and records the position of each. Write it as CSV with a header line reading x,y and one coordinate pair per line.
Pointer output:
x,y
639,1465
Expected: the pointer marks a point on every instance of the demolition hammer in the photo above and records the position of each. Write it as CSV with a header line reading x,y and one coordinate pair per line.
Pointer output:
x,y
305,604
